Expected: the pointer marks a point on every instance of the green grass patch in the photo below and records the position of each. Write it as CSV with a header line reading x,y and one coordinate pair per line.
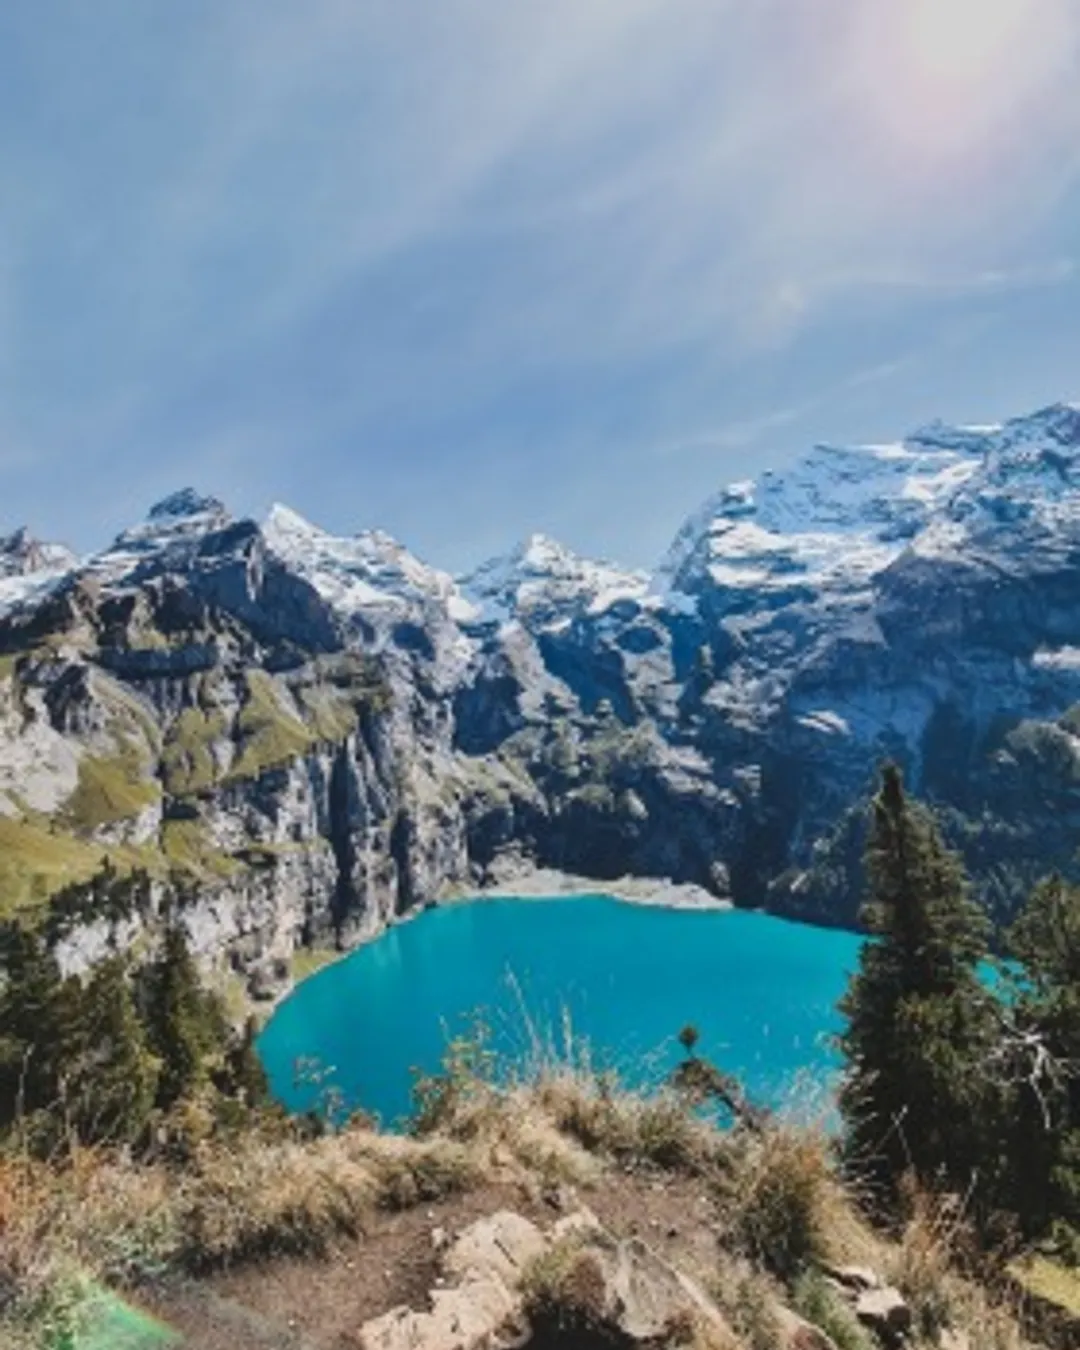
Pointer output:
x,y
187,845
35,861
270,734
1051,1281
110,790
307,960
330,713
187,760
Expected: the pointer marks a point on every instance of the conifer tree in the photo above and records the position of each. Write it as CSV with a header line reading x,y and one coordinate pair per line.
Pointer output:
x,y
919,1021
246,1077
1042,1059
35,1023
112,1081
185,1030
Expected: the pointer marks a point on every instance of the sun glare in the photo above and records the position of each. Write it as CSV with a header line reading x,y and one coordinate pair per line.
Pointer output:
x,y
962,41
949,78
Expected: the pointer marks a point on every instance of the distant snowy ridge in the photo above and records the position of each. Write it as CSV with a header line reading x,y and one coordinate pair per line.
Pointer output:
x,y
28,567
832,522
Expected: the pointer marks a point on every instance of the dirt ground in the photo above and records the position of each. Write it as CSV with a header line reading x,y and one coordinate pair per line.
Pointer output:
x,y
294,1304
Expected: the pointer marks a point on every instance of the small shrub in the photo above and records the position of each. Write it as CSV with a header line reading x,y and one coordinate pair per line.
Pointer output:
x,y
813,1299
665,1135
565,1291
453,1101
425,1174
777,1192
689,1037
636,1131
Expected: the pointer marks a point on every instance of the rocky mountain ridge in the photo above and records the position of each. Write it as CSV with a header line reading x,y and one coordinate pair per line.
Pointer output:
x,y
322,734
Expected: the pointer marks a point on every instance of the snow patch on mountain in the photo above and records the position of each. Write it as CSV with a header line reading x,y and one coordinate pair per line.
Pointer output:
x,y
368,570
371,580
545,584
840,515
30,568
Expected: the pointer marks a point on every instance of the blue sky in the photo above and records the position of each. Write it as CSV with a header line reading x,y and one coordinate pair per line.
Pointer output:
x,y
464,269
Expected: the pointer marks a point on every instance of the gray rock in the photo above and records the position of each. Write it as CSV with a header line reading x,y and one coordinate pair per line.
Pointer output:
x,y
637,1295
854,1278
499,1247
886,1313
480,1314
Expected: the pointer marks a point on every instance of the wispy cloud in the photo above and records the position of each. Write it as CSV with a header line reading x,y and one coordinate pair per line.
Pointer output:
x,y
246,238
751,431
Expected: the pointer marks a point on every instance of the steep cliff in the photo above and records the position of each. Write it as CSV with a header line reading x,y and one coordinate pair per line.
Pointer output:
x,y
320,734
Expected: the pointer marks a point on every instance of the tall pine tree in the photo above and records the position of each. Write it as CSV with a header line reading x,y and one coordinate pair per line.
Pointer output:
x,y
186,1030
919,1021
1043,1063
37,1017
112,1080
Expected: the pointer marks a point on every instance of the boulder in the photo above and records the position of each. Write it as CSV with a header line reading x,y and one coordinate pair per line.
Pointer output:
x,y
854,1278
479,1314
499,1247
885,1312
622,1288
636,1296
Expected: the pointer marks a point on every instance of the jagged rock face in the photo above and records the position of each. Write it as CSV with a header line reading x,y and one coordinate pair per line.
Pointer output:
x,y
327,733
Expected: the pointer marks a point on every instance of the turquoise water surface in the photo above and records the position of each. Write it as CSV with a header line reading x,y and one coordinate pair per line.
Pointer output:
x,y
761,991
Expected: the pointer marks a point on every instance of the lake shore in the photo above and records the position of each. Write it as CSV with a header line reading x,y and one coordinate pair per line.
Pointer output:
x,y
522,881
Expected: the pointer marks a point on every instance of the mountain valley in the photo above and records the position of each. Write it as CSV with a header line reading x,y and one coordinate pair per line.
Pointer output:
x,y
319,735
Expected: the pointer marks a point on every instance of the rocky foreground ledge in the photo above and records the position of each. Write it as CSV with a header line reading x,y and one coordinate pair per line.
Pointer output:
x,y
505,1283
563,1213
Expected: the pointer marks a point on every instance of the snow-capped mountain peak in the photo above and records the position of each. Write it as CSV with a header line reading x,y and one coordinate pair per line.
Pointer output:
x,y
29,567
186,504
23,555
369,571
840,515
542,582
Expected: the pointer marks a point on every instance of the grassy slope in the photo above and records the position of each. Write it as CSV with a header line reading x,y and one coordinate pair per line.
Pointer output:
x,y
751,1217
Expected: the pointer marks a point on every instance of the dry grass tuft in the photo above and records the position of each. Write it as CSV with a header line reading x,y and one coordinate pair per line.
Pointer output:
x,y
780,1195
928,1266
565,1291
102,1216
631,1129
750,1300
923,1263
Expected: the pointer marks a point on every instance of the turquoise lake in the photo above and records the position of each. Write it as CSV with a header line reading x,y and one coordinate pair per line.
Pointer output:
x,y
761,991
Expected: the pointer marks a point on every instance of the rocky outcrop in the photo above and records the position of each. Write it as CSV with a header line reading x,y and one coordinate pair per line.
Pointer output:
x,y
505,1283
323,734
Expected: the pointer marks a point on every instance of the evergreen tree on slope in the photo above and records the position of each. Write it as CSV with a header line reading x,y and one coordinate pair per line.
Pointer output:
x,y
186,1028
1043,1062
113,1076
36,1024
919,1022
